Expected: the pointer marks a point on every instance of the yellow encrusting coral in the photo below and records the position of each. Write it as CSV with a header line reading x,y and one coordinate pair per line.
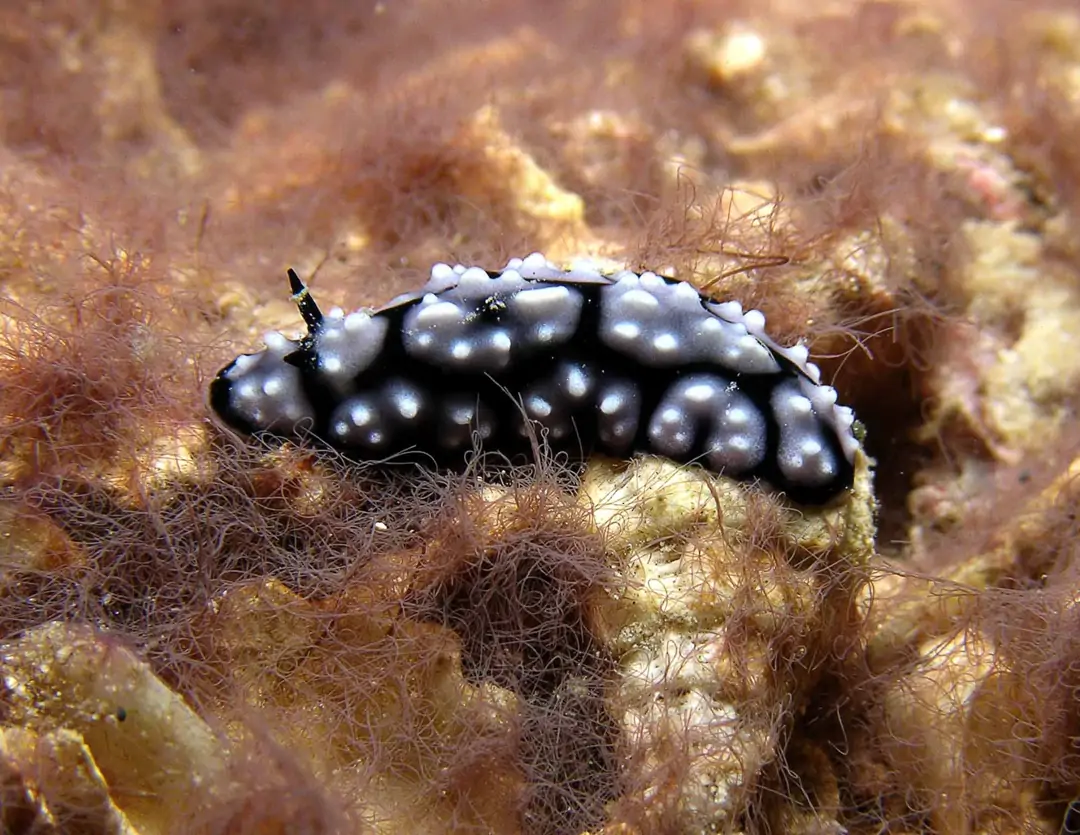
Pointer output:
x,y
729,607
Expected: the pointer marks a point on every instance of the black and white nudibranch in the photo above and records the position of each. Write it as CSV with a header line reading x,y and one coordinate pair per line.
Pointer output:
x,y
613,364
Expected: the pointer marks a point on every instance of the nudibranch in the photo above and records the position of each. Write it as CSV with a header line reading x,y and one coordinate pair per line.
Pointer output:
x,y
587,362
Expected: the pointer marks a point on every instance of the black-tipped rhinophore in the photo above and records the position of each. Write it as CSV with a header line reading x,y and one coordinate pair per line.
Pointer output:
x,y
308,309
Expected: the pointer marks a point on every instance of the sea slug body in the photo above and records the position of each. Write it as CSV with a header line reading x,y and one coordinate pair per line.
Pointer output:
x,y
614,364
